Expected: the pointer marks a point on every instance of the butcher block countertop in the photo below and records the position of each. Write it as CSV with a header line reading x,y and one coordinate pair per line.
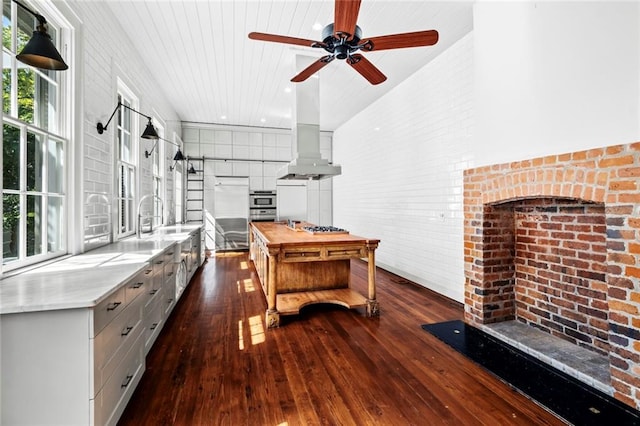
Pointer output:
x,y
279,233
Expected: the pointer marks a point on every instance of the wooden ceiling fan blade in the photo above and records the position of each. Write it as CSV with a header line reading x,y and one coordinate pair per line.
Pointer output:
x,y
399,41
312,69
345,17
284,39
366,69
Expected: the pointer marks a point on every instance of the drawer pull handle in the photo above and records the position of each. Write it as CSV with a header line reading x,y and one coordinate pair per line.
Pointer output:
x,y
153,326
170,273
126,331
127,381
169,300
137,285
154,291
148,271
170,253
159,262
113,306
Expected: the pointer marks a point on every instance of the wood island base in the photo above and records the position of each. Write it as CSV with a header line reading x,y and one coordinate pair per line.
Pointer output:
x,y
297,269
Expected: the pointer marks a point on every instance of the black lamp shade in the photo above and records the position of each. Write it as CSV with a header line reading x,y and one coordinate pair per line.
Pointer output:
x,y
41,53
149,132
191,170
178,156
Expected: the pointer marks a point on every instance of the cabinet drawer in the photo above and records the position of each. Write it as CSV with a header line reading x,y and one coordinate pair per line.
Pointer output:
x,y
169,297
153,298
137,286
302,254
169,271
345,252
110,402
115,340
108,309
170,254
157,264
152,325
156,282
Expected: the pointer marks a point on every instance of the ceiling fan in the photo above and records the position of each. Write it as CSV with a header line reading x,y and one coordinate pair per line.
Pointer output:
x,y
343,39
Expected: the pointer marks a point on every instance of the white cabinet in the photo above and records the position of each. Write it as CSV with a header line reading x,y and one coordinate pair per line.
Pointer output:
x,y
80,365
74,366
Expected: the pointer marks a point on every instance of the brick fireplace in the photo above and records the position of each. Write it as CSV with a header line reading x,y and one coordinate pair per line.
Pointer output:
x,y
554,243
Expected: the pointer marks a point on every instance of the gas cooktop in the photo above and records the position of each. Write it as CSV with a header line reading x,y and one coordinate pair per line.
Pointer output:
x,y
324,230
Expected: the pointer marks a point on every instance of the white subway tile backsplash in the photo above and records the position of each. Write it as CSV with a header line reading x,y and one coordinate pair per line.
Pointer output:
x,y
240,152
269,153
255,152
207,136
240,169
223,137
223,151
269,139
402,182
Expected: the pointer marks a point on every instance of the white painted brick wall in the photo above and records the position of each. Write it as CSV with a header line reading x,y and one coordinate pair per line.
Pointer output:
x,y
107,56
402,161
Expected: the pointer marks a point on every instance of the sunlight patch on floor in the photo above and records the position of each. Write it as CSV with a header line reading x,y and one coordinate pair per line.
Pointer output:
x,y
240,338
248,286
244,265
257,329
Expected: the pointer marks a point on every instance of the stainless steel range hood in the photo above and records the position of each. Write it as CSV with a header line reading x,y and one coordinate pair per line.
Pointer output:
x,y
307,163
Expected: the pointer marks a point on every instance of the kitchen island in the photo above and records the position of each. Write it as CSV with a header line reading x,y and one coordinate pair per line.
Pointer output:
x,y
297,267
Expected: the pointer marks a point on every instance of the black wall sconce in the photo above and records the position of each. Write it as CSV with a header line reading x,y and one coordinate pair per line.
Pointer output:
x,y
192,170
149,131
176,158
40,52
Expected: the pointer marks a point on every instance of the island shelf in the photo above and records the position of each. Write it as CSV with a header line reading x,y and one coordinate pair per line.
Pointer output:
x,y
298,268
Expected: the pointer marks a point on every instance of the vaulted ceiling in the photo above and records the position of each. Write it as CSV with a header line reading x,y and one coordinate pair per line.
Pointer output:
x,y
211,72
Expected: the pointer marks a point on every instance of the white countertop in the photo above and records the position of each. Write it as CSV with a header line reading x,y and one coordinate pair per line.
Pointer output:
x,y
85,280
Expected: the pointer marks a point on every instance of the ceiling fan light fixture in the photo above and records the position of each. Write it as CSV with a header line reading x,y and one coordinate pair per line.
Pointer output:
x,y
341,40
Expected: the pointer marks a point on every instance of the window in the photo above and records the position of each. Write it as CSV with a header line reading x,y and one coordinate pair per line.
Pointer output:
x,y
158,177
126,169
34,151
178,189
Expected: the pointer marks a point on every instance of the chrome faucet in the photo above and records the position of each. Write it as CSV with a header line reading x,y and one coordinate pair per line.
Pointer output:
x,y
152,216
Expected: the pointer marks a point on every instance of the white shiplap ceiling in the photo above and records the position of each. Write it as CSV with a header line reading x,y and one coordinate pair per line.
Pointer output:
x,y
211,72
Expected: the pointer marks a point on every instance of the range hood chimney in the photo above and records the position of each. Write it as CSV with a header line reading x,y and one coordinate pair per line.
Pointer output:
x,y
307,164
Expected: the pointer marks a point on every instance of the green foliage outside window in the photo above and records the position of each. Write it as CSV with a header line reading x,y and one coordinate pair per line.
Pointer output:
x,y
11,156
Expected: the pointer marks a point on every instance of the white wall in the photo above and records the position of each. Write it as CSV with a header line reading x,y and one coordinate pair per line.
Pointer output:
x,y
531,79
106,55
402,160
554,77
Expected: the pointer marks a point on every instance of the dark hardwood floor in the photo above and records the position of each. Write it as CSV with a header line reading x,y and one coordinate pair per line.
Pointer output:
x,y
215,363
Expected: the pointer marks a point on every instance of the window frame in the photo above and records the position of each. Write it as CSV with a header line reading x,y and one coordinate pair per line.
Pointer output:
x,y
55,128
124,94
158,176
178,184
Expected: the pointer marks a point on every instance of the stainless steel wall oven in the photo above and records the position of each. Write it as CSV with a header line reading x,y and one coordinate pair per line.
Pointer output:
x,y
262,206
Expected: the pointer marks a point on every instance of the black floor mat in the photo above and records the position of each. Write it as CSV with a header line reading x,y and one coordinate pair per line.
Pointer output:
x,y
562,394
